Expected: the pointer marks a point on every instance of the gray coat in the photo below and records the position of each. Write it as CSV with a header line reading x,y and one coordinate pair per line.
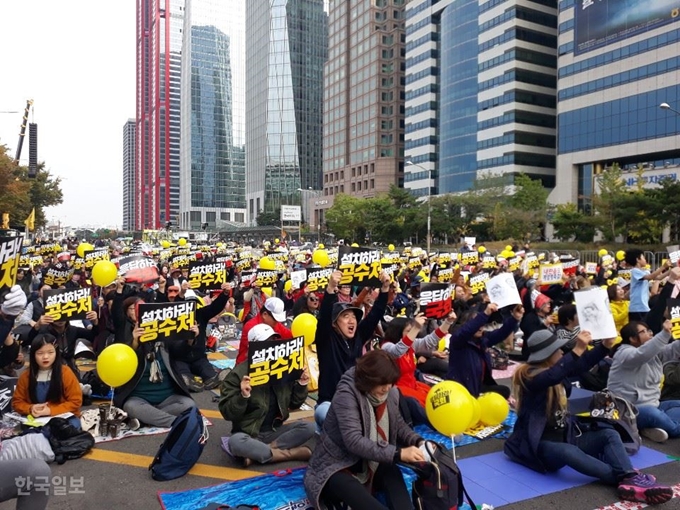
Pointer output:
x,y
345,439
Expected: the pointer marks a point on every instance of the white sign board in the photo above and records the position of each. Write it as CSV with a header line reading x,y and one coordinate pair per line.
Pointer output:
x,y
594,314
291,213
502,290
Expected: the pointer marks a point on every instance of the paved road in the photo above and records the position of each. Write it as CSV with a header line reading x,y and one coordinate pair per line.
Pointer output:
x,y
116,476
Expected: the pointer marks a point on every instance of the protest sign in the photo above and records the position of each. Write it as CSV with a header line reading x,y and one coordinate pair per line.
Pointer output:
x,y
502,290
10,254
445,275
591,267
138,269
477,283
94,256
435,300
674,254
266,277
205,276
359,266
673,306
469,258
57,276
594,313
570,266
317,279
67,304
549,274
162,321
297,278
489,262
275,361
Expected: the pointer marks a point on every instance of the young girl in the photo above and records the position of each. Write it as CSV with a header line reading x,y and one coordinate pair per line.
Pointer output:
x,y
48,387
546,438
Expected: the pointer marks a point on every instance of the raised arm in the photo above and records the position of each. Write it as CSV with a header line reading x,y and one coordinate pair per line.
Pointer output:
x,y
371,321
509,326
647,351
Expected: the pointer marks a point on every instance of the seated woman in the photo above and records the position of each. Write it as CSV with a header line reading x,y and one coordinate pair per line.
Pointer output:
x,y
48,387
546,437
258,414
156,394
14,478
635,374
469,362
618,305
363,438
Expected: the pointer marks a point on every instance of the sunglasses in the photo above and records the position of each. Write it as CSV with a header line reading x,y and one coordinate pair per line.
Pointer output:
x,y
313,299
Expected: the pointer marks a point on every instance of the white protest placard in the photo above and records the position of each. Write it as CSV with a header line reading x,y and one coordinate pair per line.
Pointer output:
x,y
591,267
594,313
297,277
291,213
674,254
502,290
550,274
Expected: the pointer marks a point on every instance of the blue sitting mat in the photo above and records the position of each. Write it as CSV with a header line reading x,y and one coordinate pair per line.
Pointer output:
x,y
282,490
431,434
496,480
221,364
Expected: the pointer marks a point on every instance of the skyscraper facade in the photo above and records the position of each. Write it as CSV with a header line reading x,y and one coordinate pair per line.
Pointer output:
x,y
129,175
212,168
159,47
286,49
481,82
363,101
618,63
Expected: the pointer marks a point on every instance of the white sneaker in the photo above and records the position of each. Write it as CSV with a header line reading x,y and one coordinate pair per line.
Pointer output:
x,y
656,435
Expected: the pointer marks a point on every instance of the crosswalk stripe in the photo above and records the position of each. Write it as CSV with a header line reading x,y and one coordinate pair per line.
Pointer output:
x,y
143,461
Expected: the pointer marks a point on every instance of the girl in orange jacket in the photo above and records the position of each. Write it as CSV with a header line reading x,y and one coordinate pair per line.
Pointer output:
x,y
48,387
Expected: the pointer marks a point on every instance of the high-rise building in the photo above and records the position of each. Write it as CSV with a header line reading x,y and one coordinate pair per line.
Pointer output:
x,y
286,49
159,48
481,82
363,101
212,167
618,62
129,175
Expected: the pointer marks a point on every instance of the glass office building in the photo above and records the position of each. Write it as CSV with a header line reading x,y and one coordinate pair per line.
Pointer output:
x,y
480,96
286,50
617,63
212,170
157,132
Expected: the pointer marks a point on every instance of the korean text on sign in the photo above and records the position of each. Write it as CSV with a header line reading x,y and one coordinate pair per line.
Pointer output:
x,y
317,279
359,266
207,276
275,361
674,314
435,300
67,304
162,321
10,254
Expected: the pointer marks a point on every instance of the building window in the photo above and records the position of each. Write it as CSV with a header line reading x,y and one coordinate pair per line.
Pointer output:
x,y
342,175
354,172
195,216
372,183
225,216
372,168
342,188
359,186
366,184
354,188
210,216
239,217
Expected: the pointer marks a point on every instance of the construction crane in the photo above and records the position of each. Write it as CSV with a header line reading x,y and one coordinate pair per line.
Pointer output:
x,y
22,133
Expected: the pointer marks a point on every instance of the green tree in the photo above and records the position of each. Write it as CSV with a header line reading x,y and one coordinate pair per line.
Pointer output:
x,y
269,218
19,194
345,218
612,190
571,224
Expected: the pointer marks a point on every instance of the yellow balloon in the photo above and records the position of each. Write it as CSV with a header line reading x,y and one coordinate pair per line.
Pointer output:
x,y
481,249
494,409
508,248
602,252
390,247
355,245
219,245
267,291
165,244
288,285
304,325
321,257
116,365
182,242
449,408
476,413
104,273
240,314
277,240
620,255
267,264
82,248
321,246
443,344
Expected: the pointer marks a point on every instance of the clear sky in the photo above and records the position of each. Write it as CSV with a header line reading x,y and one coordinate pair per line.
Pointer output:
x,y
76,60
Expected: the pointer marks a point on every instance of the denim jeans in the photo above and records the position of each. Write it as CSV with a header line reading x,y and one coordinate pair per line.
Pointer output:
x,y
320,412
259,449
597,453
666,417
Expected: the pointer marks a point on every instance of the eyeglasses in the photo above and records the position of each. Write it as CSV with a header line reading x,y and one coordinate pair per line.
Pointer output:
x,y
313,299
645,331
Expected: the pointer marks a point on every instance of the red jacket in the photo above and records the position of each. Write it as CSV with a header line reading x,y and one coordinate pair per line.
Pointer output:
x,y
243,346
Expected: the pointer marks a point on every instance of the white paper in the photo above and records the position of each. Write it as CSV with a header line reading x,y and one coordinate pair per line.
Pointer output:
x,y
297,277
673,253
594,313
502,290
36,421
470,241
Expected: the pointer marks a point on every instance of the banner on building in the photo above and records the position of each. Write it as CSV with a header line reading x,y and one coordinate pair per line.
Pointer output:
x,y
67,304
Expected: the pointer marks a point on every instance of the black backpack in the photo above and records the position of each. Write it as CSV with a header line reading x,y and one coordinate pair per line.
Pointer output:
x,y
439,485
68,442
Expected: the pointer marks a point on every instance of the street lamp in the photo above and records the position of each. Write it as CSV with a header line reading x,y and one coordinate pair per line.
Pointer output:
x,y
408,162
666,106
